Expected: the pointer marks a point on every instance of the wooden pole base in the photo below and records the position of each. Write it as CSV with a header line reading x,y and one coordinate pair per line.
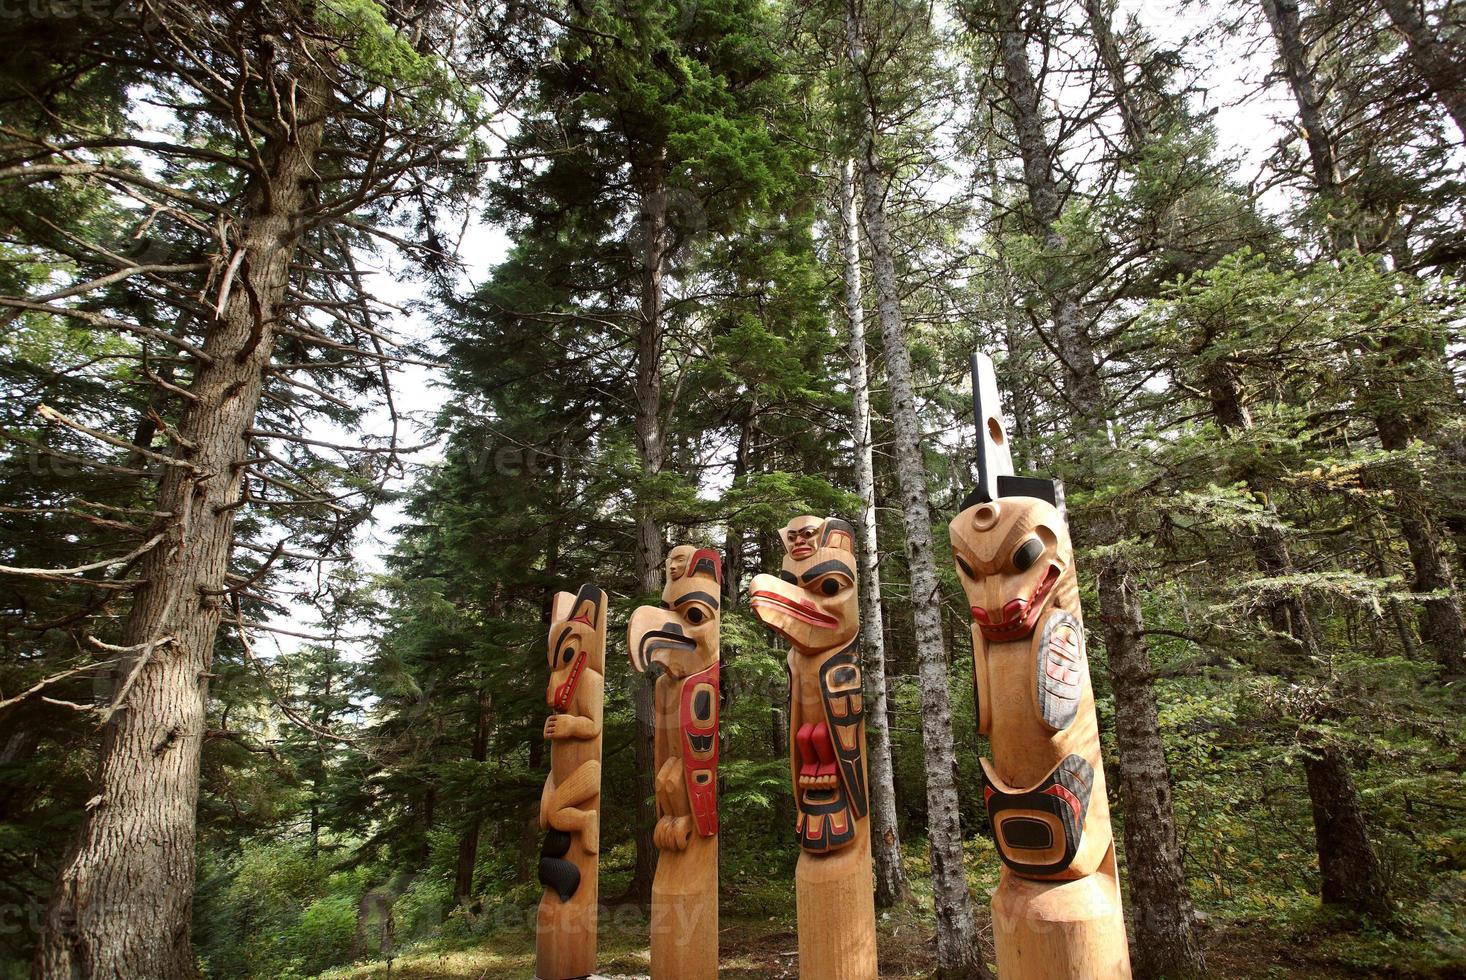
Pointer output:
x,y
1061,930
566,949
835,893
685,913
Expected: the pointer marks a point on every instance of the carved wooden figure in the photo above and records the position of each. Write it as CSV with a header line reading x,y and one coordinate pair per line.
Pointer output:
x,y
1056,912
813,604
571,801
678,640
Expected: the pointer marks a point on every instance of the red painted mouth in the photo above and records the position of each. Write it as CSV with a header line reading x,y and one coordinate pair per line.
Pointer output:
x,y
566,691
805,612
801,551
1018,615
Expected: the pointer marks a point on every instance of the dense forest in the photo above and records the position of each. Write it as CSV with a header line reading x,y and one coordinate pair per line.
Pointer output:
x,y
339,335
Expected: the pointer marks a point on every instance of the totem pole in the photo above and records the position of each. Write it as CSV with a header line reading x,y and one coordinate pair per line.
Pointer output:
x,y
813,604
1056,912
678,640
570,804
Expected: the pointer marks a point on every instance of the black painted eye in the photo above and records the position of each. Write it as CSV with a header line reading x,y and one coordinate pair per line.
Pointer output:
x,y
830,586
568,655
1027,554
966,568
789,577
694,615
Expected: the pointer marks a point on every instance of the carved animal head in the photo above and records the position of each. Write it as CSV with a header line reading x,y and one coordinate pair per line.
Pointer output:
x,y
681,635
812,602
577,642
1010,554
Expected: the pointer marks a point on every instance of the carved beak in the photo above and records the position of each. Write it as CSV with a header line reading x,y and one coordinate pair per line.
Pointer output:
x,y
656,641
775,602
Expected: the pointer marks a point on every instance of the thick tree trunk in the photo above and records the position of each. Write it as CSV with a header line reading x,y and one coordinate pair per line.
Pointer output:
x,y
122,904
891,886
1164,921
958,954
1350,870
1437,63
650,178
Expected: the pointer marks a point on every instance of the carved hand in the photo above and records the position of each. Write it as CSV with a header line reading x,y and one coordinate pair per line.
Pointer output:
x,y
569,726
673,833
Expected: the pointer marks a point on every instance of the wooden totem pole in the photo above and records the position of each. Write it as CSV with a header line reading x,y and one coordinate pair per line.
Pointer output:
x,y
571,801
813,604
1056,912
678,640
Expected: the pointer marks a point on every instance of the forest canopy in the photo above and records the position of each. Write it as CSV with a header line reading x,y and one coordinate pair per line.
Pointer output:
x,y
337,336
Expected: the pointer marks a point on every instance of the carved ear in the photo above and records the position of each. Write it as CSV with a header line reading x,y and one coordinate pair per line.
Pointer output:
x,y
707,563
561,606
589,606
837,534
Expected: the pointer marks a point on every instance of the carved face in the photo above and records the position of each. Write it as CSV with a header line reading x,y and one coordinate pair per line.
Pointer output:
x,y
577,642
681,636
812,602
1010,554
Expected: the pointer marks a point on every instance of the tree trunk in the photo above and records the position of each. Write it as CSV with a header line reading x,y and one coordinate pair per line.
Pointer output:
x,y
1341,837
1438,65
1283,18
122,903
1137,127
1165,941
733,537
650,178
1350,870
468,843
958,954
891,886
1164,924
1442,624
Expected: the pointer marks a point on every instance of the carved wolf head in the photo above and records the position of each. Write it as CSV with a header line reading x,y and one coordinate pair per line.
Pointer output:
x,y
812,602
577,642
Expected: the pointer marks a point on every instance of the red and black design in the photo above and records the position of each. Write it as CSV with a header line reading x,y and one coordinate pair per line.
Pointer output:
x,y
701,695
1022,835
825,822
1059,669
707,562
840,686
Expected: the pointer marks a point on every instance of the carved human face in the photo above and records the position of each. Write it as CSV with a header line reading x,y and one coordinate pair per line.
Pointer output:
x,y
680,635
1010,553
812,601
577,642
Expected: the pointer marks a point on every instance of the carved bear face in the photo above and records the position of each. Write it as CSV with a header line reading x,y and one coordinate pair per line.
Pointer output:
x,y
1010,553
812,602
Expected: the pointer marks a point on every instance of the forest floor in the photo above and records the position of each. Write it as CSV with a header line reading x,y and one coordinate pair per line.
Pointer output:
x,y
766,948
